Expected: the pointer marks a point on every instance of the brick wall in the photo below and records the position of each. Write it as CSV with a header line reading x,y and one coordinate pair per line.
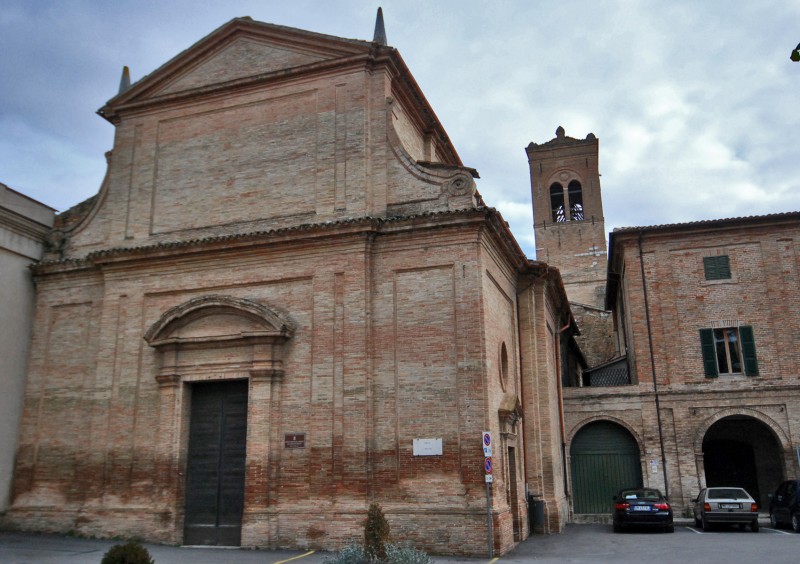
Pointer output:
x,y
764,264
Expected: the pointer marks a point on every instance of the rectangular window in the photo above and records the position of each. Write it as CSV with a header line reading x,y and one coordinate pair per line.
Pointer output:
x,y
727,345
729,350
717,267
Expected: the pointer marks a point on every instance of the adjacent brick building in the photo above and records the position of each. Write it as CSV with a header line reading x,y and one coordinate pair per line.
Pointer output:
x,y
693,378
288,300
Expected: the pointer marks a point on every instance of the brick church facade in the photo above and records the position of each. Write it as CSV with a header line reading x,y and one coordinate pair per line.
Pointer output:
x,y
287,301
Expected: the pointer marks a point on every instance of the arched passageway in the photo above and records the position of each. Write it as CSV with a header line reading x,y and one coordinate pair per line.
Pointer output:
x,y
604,459
741,451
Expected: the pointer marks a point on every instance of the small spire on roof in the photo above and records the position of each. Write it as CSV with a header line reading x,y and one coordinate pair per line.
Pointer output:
x,y
125,81
380,31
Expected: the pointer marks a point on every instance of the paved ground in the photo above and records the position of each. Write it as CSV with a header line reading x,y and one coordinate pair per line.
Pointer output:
x,y
21,548
577,544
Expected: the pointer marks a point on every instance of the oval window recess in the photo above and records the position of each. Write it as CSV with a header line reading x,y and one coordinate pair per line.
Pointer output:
x,y
503,366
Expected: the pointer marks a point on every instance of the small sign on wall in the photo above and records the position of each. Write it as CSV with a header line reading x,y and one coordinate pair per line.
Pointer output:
x,y
294,440
427,447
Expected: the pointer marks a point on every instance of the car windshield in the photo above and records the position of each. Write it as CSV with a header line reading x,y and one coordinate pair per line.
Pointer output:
x,y
640,494
727,493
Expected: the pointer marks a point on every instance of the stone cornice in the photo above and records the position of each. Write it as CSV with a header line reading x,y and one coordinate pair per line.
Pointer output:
x,y
21,225
289,235
701,390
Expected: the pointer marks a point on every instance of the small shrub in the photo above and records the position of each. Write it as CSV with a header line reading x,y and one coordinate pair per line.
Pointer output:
x,y
395,554
351,554
406,554
376,534
130,553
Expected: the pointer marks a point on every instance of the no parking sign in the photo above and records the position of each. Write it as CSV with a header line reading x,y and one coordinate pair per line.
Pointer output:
x,y
486,440
487,443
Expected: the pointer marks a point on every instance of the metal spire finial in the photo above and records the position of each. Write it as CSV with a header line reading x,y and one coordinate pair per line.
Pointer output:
x,y
380,31
125,81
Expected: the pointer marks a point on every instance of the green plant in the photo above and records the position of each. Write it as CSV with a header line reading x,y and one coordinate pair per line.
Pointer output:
x,y
406,554
376,534
351,554
130,553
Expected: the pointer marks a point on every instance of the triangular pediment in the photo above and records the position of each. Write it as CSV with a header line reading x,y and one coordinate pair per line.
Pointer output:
x,y
239,51
241,57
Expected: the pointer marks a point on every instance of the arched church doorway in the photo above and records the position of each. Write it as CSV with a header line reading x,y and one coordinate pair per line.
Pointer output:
x,y
741,451
604,459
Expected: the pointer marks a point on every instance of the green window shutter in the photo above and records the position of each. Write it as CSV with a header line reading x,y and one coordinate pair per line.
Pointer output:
x,y
717,267
749,350
710,268
709,353
724,267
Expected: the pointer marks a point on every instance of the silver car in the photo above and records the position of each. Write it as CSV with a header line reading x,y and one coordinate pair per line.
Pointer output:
x,y
725,505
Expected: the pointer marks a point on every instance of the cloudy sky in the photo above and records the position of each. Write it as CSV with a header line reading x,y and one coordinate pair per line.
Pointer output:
x,y
696,104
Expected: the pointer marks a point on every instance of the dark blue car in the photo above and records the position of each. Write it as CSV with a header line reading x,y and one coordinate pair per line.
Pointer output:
x,y
784,506
642,507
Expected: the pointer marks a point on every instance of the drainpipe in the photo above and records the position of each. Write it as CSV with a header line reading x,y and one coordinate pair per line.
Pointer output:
x,y
561,408
653,369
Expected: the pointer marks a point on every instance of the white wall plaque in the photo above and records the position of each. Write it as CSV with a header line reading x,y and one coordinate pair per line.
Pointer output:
x,y
427,447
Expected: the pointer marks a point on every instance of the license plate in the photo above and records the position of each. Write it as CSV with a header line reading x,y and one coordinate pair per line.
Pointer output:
x,y
730,506
641,508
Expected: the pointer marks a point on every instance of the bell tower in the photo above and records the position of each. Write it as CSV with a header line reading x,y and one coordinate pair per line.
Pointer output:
x,y
568,214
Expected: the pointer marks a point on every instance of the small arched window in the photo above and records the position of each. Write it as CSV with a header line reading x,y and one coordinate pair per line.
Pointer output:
x,y
557,202
575,201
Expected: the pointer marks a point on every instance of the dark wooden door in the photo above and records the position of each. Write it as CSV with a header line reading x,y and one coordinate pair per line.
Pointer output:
x,y
512,485
216,464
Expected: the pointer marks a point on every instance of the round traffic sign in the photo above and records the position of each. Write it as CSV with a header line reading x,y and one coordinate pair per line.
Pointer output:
x,y
487,465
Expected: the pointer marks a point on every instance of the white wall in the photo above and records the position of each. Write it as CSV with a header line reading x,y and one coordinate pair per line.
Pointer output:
x,y
23,225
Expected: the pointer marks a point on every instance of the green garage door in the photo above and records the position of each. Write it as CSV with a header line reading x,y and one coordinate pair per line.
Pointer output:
x,y
605,459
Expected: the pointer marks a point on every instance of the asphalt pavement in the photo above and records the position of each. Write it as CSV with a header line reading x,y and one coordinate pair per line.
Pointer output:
x,y
29,548
578,543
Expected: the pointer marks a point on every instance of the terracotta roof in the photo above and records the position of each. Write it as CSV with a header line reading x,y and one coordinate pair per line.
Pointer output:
x,y
711,222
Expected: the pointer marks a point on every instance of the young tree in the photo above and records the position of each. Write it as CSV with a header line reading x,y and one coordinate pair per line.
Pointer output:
x,y
376,533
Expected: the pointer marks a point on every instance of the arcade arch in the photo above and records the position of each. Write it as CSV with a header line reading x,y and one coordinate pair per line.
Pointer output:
x,y
605,457
740,450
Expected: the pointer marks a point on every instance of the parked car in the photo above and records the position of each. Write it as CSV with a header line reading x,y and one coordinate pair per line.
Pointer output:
x,y
784,505
642,506
725,506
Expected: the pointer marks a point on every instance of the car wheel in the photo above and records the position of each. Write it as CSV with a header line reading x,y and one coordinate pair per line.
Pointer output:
x,y
754,526
617,528
669,528
705,524
773,521
696,521
796,522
